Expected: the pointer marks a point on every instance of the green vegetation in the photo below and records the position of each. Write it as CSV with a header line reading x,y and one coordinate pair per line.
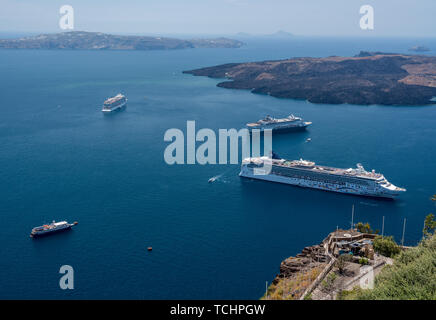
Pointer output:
x,y
429,225
327,284
386,246
341,262
349,294
411,277
363,261
365,228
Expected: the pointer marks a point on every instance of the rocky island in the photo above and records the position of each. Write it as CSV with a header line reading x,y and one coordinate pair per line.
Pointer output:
x,y
81,40
367,78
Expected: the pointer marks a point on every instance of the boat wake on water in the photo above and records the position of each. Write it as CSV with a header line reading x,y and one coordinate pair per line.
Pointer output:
x,y
369,204
213,179
220,176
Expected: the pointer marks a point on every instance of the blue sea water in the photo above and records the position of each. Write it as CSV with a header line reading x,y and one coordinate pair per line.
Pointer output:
x,y
60,158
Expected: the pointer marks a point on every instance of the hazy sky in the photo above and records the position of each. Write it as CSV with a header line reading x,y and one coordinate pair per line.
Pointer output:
x,y
400,18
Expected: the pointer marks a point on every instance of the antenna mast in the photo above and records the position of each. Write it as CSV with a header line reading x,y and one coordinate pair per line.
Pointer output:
x,y
352,218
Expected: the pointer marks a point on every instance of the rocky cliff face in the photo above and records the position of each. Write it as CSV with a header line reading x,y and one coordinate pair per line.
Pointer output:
x,y
309,258
368,78
298,273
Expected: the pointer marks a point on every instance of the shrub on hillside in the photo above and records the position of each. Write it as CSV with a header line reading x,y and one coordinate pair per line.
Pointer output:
x,y
386,246
365,228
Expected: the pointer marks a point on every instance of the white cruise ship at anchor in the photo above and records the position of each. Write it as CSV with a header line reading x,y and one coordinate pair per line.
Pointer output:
x,y
288,124
114,103
307,174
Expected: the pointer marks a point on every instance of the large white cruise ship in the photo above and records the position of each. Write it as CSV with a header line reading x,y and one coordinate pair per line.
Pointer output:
x,y
290,123
114,103
307,174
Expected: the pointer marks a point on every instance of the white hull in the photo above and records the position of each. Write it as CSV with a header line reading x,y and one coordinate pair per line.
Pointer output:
x,y
349,189
49,231
287,127
53,230
107,110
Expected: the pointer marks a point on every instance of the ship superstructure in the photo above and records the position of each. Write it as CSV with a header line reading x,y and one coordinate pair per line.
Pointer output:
x,y
290,123
114,103
304,173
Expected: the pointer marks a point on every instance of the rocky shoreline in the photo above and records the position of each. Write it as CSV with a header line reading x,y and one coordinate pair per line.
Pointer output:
x,y
298,273
309,258
365,79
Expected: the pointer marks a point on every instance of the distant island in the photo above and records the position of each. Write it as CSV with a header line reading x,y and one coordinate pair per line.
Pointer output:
x,y
81,40
419,49
367,78
276,35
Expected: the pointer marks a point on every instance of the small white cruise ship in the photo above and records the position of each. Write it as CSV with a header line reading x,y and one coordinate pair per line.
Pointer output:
x,y
51,228
114,103
290,123
307,174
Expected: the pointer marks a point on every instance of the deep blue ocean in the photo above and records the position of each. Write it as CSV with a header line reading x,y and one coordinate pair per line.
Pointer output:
x,y
61,158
